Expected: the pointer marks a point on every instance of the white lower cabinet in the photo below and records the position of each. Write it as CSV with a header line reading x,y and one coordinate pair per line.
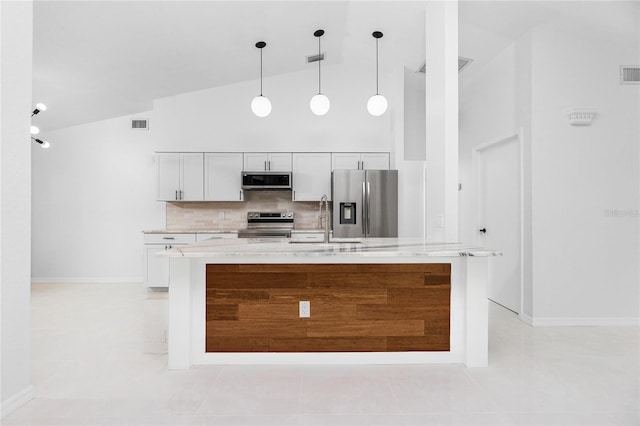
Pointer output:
x,y
156,272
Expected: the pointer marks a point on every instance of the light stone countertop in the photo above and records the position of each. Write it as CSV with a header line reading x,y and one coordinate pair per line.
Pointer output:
x,y
352,247
190,231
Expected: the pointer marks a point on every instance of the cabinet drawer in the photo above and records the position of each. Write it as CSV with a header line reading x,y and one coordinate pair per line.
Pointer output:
x,y
208,236
169,238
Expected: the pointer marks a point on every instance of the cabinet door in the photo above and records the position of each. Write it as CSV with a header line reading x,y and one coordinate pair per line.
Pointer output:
x,y
255,161
345,160
222,176
374,160
156,273
192,183
311,176
168,178
279,162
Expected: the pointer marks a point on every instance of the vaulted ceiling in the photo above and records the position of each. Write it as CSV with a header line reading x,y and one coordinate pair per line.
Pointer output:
x,y
100,59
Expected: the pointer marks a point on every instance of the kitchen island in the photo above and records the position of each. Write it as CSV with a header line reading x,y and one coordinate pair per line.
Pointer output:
x,y
375,300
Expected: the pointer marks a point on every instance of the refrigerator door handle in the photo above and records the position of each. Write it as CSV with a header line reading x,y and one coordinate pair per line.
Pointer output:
x,y
368,208
364,207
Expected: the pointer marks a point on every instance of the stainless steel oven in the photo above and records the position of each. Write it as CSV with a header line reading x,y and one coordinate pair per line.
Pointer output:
x,y
268,225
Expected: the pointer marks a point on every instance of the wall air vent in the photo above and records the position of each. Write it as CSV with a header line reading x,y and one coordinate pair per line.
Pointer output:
x,y
462,64
315,58
629,74
139,124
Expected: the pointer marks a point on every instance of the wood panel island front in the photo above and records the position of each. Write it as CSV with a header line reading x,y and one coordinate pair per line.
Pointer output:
x,y
382,301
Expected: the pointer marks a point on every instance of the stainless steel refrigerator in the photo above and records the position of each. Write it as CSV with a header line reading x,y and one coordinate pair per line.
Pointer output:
x,y
365,203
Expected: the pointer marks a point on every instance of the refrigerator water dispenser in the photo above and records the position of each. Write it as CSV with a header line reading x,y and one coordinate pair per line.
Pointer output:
x,y
347,213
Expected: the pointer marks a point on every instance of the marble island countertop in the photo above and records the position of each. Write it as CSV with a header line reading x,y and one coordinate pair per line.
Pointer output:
x,y
190,231
222,231
363,247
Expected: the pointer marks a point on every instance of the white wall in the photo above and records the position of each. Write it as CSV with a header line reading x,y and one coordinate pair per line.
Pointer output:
x,y
580,265
93,193
15,203
585,263
220,119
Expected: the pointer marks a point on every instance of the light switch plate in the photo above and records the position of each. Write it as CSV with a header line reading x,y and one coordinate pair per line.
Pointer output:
x,y
305,309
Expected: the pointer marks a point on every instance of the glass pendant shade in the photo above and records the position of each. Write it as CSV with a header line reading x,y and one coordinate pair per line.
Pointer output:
x,y
34,130
377,105
319,104
45,144
41,106
261,106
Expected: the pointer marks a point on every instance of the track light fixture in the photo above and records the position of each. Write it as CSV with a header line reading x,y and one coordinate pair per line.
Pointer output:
x,y
34,130
261,105
39,107
42,143
377,104
319,104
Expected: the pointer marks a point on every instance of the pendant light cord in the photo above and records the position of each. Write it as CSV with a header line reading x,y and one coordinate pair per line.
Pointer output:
x,y
319,60
261,72
377,93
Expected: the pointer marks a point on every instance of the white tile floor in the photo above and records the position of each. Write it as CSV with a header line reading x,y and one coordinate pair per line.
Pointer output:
x,y
99,358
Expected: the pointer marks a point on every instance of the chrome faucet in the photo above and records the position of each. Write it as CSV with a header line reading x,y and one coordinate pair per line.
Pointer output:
x,y
324,199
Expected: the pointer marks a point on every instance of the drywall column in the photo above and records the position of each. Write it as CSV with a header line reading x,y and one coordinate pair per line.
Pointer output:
x,y
441,52
16,36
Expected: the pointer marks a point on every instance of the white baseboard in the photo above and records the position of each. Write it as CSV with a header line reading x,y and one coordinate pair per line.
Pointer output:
x,y
525,318
73,280
16,401
580,322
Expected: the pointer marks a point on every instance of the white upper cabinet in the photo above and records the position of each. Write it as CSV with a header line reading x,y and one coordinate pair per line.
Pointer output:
x,y
180,176
360,161
374,161
222,176
267,161
311,176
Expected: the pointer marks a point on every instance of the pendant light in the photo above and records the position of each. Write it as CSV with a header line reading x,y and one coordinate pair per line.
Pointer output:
x,y
377,104
261,105
319,104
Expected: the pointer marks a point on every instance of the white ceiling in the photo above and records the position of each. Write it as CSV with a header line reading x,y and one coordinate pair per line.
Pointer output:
x,y
101,59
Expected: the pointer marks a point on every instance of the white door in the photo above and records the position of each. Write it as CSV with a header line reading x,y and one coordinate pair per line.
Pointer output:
x,y
192,176
375,161
279,162
222,176
500,218
255,161
168,176
311,176
345,160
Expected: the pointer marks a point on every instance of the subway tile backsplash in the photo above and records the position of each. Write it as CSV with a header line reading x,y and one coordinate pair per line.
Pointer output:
x,y
206,215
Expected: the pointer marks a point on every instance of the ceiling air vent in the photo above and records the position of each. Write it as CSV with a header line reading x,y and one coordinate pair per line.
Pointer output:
x,y
630,74
139,124
462,64
315,58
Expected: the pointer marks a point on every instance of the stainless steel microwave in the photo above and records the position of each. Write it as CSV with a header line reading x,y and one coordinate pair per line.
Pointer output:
x,y
266,180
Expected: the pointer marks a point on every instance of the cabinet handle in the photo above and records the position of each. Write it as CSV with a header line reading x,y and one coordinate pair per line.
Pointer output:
x,y
240,195
269,163
265,165
168,238
294,195
176,194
